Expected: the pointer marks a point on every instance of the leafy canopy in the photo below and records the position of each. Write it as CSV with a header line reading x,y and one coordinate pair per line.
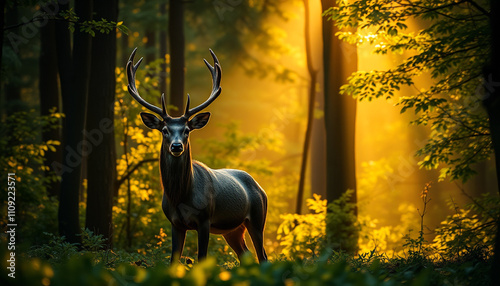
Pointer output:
x,y
452,49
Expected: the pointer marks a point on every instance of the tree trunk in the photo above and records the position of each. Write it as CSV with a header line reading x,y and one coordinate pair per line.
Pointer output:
x,y
13,102
310,112
49,98
340,60
492,105
101,162
163,50
150,45
2,25
74,105
176,41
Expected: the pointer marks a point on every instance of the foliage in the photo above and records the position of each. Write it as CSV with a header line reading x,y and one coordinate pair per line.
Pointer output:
x,y
341,222
304,235
87,26
335,268
138,190
22,153
436,263
469,230
452,49
57,249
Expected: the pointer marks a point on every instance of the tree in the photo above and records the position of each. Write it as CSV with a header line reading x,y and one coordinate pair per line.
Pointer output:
x,y
310,112
339,61
491,102
49,98
176,44
101,164
13,85
2,24
74,68
452,49
163,50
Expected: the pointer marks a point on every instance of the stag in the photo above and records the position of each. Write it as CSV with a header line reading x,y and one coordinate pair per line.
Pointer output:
x,y
195,197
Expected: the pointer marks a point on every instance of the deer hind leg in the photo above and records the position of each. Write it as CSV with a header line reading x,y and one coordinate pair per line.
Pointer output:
x,y
255,226
256,223
236,240
257,235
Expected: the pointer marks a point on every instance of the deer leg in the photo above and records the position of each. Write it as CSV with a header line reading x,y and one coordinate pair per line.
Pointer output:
x,y
203,237
236,240
257,235
178,237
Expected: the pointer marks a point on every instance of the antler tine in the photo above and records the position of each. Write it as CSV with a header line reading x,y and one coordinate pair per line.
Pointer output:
x,y
216,88
132,88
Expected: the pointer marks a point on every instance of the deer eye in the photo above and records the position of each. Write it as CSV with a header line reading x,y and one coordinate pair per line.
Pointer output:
x,y
164,130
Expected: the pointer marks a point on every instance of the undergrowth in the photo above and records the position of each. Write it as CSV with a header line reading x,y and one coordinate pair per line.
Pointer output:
x,y
460,254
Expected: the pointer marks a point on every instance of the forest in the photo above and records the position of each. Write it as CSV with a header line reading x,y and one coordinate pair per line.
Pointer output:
x,y
372,126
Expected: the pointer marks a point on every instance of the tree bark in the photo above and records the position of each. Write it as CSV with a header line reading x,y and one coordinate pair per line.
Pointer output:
x,y
13,102
340,60
310,112
101,162
177,43
2,25
150,45
49,98
163,49
492,104
74,105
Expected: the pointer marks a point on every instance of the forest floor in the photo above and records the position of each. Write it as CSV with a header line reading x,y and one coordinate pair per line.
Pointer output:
x,y
61,263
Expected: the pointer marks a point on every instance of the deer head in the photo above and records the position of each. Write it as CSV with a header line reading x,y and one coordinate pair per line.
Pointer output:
x,y
175,130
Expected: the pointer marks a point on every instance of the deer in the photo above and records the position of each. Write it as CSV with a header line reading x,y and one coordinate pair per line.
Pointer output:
x,y
196,197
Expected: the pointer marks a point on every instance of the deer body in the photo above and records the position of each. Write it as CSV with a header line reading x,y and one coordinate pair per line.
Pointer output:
x,y
195,197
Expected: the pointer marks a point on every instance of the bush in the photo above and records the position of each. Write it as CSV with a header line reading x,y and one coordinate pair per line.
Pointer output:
x,y
22,153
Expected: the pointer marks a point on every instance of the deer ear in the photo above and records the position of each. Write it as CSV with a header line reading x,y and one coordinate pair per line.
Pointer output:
x,y
199,121
150,120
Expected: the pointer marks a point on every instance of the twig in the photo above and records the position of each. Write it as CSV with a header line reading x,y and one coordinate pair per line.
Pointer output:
x,y
129,173
478,7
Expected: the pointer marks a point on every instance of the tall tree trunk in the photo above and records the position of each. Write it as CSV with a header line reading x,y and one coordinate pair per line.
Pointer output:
x,y
163,49
310,112
49,98
340,60
150,45
13,102
318,153
492,105
176,41
2,25
74,105
101,163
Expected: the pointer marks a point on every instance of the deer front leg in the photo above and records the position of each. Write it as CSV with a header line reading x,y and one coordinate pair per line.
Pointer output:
x,y
203,237
178,237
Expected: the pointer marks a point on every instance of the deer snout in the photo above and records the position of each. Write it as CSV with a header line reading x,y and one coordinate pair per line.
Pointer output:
x,y
176,149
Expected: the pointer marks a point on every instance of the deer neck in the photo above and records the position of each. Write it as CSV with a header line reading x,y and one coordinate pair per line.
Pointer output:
x,y
176,174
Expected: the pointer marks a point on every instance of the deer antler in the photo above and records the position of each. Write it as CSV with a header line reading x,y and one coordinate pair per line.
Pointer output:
x,y
216,88
132,88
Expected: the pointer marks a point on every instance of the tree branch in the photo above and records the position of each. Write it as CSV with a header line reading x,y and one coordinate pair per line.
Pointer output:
x,y
39,19
478,7
120,181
